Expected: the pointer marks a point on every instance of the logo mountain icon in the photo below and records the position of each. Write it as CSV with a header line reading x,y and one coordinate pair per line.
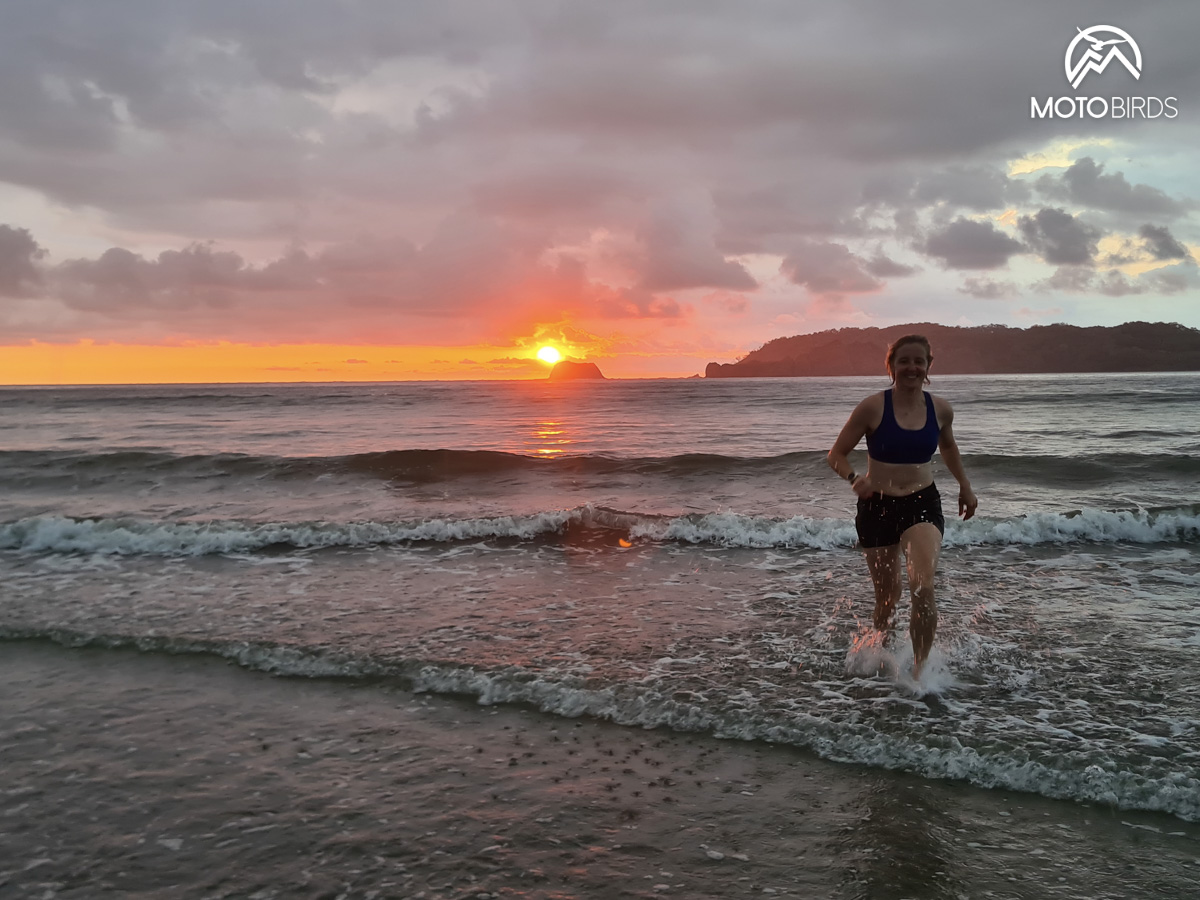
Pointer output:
x,y
1103,45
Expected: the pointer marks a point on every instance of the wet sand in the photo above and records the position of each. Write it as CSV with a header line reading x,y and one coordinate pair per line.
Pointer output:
x,y
147,775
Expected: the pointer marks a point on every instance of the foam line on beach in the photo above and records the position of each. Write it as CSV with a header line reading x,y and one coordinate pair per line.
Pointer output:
x,y
1085,776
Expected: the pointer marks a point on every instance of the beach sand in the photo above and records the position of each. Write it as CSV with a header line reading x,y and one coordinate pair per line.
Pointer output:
x,y
147,775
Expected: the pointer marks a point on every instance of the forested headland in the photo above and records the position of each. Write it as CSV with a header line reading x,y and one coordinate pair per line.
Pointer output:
x,y
980,350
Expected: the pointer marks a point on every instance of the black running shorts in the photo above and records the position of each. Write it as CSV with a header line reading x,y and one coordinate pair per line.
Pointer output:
x,y
882,518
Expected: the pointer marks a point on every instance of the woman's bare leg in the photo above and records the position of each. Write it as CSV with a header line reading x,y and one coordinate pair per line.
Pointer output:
x,y
921,545
884,565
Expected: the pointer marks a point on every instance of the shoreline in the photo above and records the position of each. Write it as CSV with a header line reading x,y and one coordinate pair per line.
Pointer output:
x,y
147,772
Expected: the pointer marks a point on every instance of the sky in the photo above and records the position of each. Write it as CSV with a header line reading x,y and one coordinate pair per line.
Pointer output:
x,y
240,190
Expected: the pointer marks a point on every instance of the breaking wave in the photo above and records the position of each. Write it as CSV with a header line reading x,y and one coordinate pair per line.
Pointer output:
x,y
587,524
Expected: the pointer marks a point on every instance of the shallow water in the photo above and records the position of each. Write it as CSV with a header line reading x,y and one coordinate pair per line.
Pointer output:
x,y
134,774
673,555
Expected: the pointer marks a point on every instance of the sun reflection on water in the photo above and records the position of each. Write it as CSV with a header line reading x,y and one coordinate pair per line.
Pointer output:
x,y
550,439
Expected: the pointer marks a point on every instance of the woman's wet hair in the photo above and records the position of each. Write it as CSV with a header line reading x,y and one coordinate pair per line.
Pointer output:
x,y
900,342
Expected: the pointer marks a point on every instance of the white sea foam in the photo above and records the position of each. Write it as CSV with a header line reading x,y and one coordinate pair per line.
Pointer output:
x,y
59,534
1098,525
1085,775
1140,527
736,530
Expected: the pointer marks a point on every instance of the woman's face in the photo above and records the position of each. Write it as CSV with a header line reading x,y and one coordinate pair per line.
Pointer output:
x,y
910,365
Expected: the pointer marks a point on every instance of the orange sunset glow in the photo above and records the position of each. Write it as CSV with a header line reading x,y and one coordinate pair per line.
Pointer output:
x,y
93,363
526,357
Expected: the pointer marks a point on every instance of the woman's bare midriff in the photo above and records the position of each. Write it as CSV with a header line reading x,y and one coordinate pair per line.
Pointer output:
x,y
899,479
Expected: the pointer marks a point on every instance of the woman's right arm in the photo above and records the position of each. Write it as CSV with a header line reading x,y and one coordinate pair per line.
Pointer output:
x,y
852,432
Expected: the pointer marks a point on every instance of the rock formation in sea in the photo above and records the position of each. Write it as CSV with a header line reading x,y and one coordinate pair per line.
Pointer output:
x,y
573,371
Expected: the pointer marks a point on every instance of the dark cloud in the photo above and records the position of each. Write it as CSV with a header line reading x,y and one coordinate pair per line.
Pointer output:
x,y
680,268
1085,184
881,266
1114,283
176,279
552,192
469,163
19,253
1086,280
976,188
966,244
1156,244
1161,244
987,289
1070,279
385,291
492,95
1176,279
829,270
1060,238
680,252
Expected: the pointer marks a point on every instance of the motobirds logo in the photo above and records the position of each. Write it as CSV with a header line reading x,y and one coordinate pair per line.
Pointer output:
x,y
1092,51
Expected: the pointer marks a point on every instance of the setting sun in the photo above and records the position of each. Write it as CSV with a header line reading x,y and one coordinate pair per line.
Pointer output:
x,y
549,355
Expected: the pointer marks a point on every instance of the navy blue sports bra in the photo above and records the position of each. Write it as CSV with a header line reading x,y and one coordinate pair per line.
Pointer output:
x,y
889,443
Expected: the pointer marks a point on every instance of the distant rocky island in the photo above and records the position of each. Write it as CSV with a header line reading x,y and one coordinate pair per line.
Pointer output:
x,y
573,371
982,350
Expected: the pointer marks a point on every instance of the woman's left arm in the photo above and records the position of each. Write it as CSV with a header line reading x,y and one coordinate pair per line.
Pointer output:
x,y
967,503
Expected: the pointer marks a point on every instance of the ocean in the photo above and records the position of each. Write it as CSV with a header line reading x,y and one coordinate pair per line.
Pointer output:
x,y
590,639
